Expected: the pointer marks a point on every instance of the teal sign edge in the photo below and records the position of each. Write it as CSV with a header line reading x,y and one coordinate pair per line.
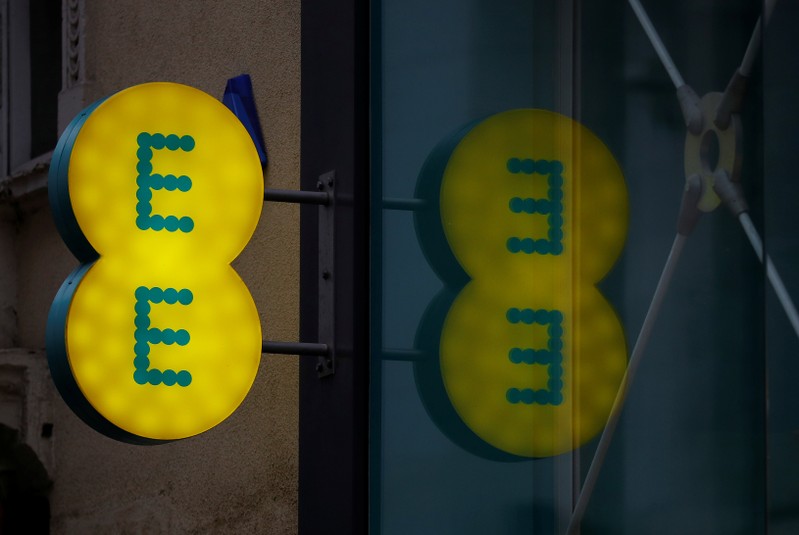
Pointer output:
x,y
55,333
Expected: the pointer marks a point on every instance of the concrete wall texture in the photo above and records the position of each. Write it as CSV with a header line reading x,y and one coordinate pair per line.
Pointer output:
x,y
241,476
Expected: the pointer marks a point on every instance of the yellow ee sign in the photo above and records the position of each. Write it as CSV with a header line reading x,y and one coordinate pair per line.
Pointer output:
x,y
527,212
156,190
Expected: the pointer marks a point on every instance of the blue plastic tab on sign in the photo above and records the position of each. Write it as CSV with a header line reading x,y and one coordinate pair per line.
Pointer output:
x,y
240,100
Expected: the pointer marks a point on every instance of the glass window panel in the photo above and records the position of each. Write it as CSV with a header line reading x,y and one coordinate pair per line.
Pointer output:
x,y
689,454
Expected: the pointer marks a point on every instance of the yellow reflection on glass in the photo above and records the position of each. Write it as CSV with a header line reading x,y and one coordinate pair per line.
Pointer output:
x,y
534,208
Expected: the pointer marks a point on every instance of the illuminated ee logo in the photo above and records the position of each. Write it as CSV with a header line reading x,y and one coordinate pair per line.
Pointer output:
x,y
526,211
155,190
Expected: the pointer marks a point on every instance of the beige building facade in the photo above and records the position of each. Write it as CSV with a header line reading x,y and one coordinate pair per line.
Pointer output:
x,y
241,476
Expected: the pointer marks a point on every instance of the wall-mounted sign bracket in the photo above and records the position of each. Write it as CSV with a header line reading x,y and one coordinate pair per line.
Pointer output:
x,y
324,349
301,197
239,98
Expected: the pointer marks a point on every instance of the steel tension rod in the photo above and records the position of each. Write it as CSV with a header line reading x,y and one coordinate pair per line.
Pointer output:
x,y
697,120
688,218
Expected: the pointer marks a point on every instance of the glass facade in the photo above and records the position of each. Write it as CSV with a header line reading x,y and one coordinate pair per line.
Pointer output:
x,y
516,254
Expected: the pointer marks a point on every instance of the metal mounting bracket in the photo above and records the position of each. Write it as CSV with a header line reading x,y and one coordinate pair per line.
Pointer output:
x,y
324,349
326,364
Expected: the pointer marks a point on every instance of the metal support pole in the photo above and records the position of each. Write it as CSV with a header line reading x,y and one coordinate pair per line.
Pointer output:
x,y
295,196
295,348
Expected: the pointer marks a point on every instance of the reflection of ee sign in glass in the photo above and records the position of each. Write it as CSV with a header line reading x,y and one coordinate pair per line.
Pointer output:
x,y
156,190
528,213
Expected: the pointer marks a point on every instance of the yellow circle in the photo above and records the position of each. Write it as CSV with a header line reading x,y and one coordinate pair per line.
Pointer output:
x,y
222,355
226,194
